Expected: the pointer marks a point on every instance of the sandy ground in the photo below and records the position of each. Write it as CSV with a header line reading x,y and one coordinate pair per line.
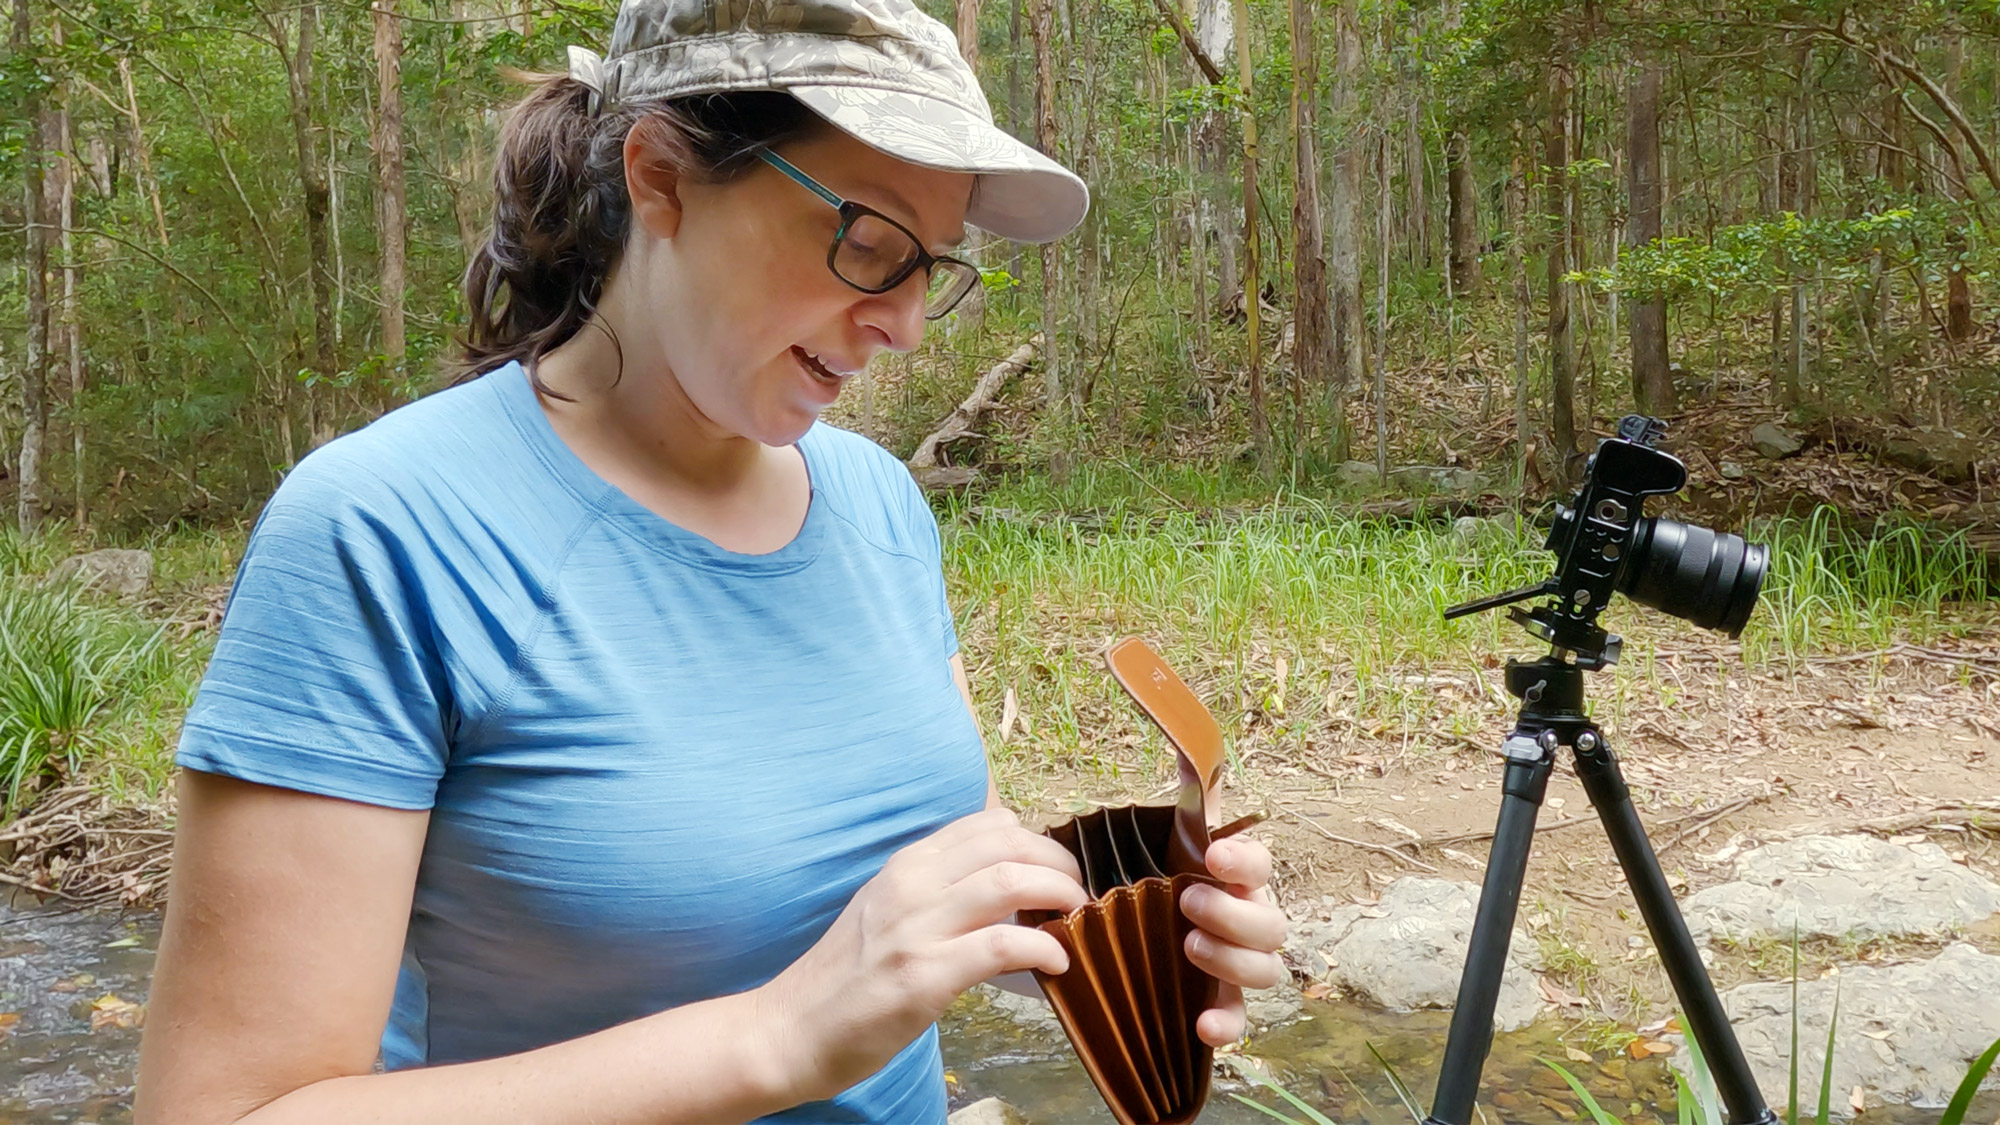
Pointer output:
x,y
1866,742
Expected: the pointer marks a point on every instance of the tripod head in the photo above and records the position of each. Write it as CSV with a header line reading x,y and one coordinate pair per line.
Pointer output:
x,y
1605,543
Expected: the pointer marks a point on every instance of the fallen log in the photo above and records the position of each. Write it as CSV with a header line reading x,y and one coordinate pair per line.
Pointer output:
x,y
924,463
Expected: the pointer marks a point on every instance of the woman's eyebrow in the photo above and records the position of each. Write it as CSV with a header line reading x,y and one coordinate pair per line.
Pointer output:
x,y
909,212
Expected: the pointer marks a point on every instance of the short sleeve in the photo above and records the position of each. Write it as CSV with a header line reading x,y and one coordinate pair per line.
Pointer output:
x,y
923,531
326,676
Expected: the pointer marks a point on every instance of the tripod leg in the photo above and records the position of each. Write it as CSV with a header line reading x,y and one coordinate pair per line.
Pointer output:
x,y
1527,778
1598,769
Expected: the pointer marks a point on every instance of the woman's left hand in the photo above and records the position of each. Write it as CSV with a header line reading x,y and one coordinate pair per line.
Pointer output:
x,y
1238,931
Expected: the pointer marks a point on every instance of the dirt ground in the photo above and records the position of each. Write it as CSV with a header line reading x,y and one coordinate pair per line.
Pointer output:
x,y
1883,742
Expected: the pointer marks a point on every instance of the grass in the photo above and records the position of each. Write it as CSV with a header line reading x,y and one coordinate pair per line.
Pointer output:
x,y
1354,607
1298,622
65,669
89,685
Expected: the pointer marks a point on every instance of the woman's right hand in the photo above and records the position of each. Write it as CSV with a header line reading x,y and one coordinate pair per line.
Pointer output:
x,y
935,921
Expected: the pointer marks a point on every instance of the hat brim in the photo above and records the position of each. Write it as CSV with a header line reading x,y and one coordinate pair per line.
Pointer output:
x,y
1021,194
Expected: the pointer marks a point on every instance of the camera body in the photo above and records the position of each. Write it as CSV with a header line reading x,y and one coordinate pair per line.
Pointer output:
x,y
1604,543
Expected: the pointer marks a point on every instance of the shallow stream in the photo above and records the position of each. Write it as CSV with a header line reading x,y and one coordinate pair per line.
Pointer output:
x,y
59,968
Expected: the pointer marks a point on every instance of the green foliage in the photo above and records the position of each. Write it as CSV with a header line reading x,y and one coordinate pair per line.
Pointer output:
x,y
1312,1116
1590,1106
1756,259
1968,1087
64,666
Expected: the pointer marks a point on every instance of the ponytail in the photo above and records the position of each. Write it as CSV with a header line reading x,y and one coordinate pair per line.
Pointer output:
x,y
561,213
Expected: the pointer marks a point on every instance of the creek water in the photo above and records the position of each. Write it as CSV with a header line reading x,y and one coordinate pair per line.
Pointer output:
x,y
55,1067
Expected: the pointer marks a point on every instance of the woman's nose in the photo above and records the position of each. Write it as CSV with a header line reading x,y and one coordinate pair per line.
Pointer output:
x,y
899,313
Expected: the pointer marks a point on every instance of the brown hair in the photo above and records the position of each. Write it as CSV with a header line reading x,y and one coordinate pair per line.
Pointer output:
x,y
561,212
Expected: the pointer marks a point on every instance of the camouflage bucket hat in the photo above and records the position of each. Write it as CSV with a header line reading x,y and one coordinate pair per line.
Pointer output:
x,y
880,70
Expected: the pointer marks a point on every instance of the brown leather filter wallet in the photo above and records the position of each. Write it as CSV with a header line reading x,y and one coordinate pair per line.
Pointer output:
x,y
1131,996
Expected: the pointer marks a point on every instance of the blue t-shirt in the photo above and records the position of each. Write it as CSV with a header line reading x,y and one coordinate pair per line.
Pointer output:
x,y
656,769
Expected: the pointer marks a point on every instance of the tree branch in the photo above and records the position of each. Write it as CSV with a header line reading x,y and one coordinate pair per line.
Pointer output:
x,y
1207,65
1889,61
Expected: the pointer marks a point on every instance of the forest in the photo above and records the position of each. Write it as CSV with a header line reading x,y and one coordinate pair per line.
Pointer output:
x,y
1362,286
242,229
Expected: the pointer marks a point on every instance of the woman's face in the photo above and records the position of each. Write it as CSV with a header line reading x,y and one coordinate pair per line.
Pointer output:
x,y
733,288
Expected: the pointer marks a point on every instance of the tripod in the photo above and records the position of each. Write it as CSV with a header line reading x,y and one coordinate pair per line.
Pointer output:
x,y
1551,717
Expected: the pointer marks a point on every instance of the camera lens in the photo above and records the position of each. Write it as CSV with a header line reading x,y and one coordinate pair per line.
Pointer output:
x,y
1709,578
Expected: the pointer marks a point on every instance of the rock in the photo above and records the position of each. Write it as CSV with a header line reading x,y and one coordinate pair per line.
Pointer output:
x,y
1473,529
1773,442
1433,478
1730,470
1409,951
1907,1033
122,572
1028,1011
1357,474
1842,886
1246,1070
987,1111
1950,457
1269,1008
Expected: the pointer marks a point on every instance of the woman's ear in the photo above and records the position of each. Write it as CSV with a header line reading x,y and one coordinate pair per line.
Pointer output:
x,y
653,181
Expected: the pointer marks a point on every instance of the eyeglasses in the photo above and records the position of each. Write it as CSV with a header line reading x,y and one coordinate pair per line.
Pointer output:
x,y
874,253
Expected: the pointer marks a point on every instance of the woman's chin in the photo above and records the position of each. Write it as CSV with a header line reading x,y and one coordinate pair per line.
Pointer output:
x,y
785,426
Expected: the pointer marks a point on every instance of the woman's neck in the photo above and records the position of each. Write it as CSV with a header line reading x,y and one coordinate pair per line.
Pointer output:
x,y
631,413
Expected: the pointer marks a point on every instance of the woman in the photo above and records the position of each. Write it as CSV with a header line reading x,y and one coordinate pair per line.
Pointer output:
x,y
588,741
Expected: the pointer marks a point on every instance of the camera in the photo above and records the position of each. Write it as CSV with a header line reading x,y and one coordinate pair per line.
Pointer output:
x,y
1604,543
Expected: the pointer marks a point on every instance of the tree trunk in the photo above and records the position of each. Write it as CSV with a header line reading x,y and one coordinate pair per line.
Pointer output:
x,y
35,371
1043,32
1419,220
1309,301
1958,288
971,311
1215,27
968,32
72,325
1652,382
1462,205
1562,344
313,188
149,183
1014,119
1260,427
1798,182
1517,271
390,223
1382,216
1349,339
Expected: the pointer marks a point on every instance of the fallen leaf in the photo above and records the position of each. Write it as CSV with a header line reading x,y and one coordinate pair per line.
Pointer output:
x,y
122,943
1575,1055
77,983
1318,990
1554,994
1646,1048
111,1010
1396,826
1912,838
7,1022
1858,1098
1457,856
1010,709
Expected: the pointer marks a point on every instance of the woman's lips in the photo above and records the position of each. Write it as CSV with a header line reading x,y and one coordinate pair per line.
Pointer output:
x,y
818,376
813,365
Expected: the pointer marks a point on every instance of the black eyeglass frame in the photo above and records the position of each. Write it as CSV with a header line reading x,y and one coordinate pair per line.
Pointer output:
x,y
850,211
